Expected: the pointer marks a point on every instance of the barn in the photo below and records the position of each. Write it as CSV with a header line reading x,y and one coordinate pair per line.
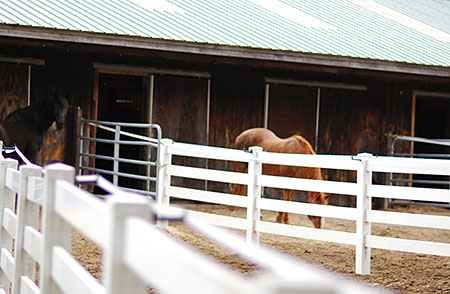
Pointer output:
x,y
343,74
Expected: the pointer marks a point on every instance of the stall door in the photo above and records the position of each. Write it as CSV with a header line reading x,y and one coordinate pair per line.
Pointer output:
x,y
432,121
180,108
121,98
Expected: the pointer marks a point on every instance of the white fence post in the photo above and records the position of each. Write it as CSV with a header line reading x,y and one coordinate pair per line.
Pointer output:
x,y
253,193
164,179
27,215
116,276
56,232
7,200
363,204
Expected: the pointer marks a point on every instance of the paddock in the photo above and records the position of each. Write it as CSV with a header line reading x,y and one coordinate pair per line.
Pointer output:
x,y
135,254
402,272
410,229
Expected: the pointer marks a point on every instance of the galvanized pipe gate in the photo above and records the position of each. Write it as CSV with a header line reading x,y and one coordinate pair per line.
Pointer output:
x,y
395,139
102,150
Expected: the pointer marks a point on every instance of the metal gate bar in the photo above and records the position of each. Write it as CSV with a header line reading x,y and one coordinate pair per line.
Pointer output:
x,y
88,139
442,142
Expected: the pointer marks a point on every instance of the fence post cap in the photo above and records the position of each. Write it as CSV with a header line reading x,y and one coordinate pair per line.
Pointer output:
x,y
59,166
30,167
8,161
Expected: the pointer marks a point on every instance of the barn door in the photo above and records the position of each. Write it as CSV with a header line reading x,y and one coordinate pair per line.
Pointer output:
x,y
320,112
297,103
181,108
121,98
290,109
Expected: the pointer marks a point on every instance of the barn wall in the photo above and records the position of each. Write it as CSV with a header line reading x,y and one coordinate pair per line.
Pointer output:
x,y
13,88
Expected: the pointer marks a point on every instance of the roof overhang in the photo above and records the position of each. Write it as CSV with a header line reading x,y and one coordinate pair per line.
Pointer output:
x,y
220,50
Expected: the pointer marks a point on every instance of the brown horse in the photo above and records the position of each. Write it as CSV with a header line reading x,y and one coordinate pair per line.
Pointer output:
x,y
270,142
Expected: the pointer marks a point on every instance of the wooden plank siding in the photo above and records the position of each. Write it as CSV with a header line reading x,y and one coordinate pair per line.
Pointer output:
x,y
180,108
349,121
13,88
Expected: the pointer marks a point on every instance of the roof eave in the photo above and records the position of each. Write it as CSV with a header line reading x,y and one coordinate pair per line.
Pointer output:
x,y
219,50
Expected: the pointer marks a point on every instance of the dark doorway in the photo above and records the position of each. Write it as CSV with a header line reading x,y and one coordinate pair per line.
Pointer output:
x,y
121,98
432,121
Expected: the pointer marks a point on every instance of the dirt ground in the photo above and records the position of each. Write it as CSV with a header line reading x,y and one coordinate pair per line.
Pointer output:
x,y
398,271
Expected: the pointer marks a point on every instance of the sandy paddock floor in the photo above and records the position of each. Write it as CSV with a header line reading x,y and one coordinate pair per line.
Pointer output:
x,y
402,272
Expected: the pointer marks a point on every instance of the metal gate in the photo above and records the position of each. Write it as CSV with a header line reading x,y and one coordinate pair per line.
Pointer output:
x,y
125,153
411,181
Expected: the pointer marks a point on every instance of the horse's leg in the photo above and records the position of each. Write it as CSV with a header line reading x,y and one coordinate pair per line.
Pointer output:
x,y
284,216
290,195
237,189
314,197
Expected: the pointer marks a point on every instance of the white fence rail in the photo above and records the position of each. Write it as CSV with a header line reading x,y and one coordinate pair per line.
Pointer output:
x,y
136,254
364,165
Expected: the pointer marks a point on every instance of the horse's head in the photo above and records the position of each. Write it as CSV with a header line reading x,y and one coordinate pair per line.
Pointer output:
x,y
60,106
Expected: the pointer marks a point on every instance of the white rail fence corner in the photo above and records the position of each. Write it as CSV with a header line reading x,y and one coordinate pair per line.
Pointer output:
x,y
136,254
363,164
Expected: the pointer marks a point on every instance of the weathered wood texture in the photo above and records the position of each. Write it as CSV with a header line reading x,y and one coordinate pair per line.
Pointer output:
x,y
13,88
349,121
70,77
237,103
292,110
180,108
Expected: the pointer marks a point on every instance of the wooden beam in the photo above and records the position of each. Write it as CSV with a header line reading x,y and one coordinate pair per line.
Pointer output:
x,y
220,50
22,60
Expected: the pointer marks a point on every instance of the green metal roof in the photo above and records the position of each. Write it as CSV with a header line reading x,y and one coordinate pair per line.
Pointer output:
x,y
407,31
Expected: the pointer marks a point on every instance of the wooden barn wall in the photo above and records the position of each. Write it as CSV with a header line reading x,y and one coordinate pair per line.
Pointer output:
x,y
13,88
349,121
72,77
357,121
292,110
237,103
180,108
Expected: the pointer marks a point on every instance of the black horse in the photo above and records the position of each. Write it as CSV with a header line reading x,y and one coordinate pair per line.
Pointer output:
x,y
26,126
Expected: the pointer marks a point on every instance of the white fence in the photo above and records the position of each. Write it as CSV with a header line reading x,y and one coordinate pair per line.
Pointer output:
x,y
364,165
136,254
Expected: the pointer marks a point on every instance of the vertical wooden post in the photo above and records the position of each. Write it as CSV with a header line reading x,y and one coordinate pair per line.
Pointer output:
x,y
164,179
55,231
27,215
7,200
254,193
116,277
363,204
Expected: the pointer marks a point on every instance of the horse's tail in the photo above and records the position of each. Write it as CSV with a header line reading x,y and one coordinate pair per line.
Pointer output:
x,y
307,146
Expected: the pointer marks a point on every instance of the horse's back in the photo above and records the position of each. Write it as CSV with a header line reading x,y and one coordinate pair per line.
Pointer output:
x,y
270,142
